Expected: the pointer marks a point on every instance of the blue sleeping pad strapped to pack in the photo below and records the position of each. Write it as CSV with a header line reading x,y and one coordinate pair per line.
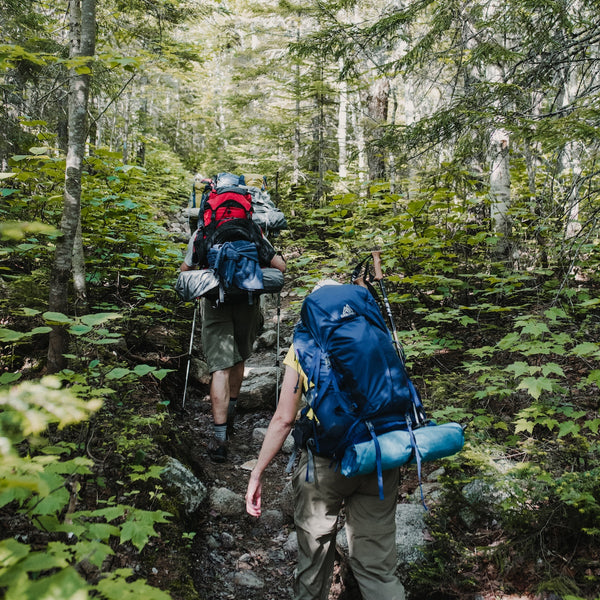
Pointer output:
x,y
432,442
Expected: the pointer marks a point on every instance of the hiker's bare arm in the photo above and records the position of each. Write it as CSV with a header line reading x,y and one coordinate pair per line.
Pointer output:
x,y
186,267
278,262
279,428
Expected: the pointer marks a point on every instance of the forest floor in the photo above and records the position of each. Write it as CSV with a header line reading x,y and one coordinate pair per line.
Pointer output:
x,y
239,556
208,555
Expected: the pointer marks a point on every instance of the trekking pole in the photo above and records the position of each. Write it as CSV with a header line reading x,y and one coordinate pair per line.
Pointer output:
x,y
277,350
379,278
187,371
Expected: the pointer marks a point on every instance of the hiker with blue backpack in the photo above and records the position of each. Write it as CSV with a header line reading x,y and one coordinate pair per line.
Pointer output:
x,y
320,491
360,421
229,246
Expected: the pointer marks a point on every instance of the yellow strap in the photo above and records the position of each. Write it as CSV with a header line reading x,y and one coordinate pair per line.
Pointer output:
x,y
311,415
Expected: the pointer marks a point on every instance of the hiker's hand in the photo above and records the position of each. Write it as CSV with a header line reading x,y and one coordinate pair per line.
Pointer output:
x,y
253,496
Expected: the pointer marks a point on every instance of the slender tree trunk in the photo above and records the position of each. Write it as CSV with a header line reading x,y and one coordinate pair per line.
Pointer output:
x,y
296,159
342,130
79,267
126,149
500,190
361,146
83,37
377,108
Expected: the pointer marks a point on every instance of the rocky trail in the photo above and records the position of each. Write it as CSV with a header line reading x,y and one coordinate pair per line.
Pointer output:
x,y
233,555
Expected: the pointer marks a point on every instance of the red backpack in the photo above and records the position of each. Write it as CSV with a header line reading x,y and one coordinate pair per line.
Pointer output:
x,y
226,211
224,204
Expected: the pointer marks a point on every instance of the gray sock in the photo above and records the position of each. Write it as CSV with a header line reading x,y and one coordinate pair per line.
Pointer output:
x,y
220,431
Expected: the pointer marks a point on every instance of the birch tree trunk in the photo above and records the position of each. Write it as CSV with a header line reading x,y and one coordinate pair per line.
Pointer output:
x,y
498,156
361,146
82,41
500,190
342,127
79,266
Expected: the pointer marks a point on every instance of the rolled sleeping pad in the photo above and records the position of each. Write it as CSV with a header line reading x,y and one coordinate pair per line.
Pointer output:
x,y
204,282
433,442
191,211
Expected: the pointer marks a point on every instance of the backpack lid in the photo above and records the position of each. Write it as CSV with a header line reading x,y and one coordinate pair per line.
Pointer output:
x,y
229,180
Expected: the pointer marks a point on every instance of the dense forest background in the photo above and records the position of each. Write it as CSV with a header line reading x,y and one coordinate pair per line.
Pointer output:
x,y
459,137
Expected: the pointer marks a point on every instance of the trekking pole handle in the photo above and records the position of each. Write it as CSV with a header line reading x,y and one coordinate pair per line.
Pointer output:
x,y
377,265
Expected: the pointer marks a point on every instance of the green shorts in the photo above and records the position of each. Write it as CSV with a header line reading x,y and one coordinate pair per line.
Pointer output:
x,y
229,332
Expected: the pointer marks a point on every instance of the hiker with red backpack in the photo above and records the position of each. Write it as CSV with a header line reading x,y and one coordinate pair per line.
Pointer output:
x,y
231,244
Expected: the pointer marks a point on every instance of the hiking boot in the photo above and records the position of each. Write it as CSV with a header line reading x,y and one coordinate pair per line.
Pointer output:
x,y
217,451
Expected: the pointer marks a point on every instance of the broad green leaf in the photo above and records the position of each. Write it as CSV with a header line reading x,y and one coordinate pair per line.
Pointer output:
x,y
8,378
92,550
30,312
142,370
40,330
161,373
6,175
101,531
590,302
524,425
535,328
593,425
518,368
139,528
568,427
11,552
39,150
65,584
116,586
40,561
51,504
549,368
8,335
535,385
58,318
594,377
80,329
585,349
98,318
118,373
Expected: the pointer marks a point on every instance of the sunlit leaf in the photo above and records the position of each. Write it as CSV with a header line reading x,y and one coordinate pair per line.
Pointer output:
x,y
57,318
535,385
98,318
9,335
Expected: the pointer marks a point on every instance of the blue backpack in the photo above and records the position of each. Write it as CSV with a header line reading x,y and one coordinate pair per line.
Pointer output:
x,y
360,387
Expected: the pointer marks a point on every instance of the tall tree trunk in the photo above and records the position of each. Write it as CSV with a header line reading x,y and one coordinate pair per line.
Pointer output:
x,y
297,92
500,190
498,155
83,39
79,267
377,110
361,146
342,130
